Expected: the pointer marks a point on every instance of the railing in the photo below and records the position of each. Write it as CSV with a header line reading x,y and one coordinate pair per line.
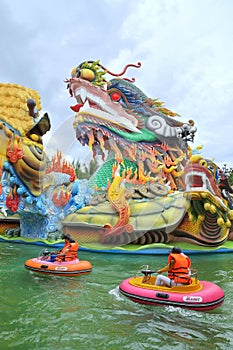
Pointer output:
x,y
193,273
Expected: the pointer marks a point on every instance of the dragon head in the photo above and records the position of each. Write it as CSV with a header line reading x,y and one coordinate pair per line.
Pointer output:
x,y
116,112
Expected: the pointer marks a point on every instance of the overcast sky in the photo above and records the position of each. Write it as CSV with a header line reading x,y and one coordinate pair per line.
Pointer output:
x,y
185,47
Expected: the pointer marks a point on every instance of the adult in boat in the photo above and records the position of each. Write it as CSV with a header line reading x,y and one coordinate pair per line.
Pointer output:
x,y
178,269
69,251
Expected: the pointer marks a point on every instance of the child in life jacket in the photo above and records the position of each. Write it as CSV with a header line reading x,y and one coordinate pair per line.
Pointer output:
x,y
178,269
69,251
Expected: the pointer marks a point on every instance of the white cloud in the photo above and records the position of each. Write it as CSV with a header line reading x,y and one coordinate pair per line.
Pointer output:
x,y
186,51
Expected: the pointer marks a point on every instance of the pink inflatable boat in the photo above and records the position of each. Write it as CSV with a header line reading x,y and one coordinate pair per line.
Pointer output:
x,y
199,295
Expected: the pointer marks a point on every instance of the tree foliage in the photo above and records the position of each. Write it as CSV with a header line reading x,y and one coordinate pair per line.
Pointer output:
x,y
85,171
229,172
231,178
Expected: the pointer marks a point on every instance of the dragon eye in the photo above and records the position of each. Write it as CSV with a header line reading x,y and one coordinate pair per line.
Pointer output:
x,y
115,96
203,162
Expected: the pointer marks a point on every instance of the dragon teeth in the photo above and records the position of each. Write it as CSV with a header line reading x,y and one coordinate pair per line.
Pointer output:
x,y
86,105
83,94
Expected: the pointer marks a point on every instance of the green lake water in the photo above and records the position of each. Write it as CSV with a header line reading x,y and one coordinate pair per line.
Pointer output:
x,y
87,312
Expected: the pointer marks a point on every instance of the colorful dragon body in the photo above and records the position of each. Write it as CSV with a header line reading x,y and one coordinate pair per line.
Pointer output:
x,y
162,190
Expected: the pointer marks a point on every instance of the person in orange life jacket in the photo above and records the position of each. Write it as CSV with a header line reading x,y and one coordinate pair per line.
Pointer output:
x,y
178,269
69,251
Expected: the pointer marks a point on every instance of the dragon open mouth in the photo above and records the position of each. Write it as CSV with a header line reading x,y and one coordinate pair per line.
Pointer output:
x,y
198,178
93,101
101,123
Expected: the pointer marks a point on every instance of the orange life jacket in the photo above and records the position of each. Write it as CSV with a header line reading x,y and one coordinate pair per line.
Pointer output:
x,y
72,252
180,271
65,247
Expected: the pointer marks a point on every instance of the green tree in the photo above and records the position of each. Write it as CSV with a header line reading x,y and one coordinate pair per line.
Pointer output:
x,y
231,178
229,172
85,171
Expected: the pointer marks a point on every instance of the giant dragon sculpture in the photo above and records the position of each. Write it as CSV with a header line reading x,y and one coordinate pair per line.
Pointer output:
x,y
151,188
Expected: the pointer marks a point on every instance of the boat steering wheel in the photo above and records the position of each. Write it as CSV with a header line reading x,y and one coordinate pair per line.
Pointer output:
x,y
147,272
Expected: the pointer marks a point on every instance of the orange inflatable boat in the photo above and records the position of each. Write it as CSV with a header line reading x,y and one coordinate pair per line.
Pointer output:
x,y
43,265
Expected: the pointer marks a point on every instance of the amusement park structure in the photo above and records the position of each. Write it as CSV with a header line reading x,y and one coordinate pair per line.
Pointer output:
x,y
151,190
